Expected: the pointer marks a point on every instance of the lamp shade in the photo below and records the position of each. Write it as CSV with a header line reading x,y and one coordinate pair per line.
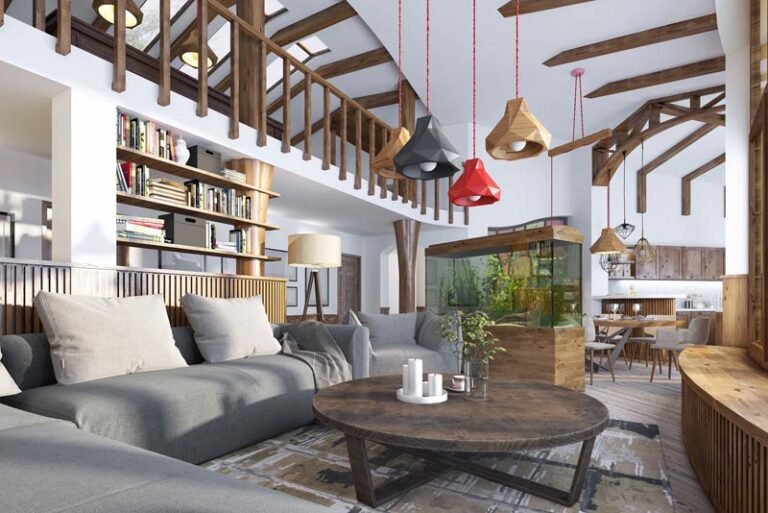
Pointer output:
x,y
518,135
106,9
314,250
475,187
428,155
189,52
384,162
608,243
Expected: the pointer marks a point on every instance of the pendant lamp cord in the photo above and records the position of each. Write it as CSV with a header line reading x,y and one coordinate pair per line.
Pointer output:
x,y
578,102
642,164
609,204
400,62
517,48
474,79
429,110
551,190
625,187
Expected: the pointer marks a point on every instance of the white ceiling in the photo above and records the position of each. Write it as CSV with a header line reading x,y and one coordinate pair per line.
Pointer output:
x,y
25,107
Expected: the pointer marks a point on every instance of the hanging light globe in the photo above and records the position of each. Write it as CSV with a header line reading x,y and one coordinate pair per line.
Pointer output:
x,y
644,252
475,187
609,262
428,155
624,230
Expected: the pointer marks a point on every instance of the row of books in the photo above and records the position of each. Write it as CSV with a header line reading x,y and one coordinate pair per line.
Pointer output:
x,y
132,178
138,228
235,244
217,199
144,136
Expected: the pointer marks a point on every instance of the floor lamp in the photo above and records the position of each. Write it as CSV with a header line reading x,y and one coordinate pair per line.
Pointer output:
x,y
314,251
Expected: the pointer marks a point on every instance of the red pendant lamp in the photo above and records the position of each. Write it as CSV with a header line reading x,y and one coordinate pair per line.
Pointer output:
x,y
475,187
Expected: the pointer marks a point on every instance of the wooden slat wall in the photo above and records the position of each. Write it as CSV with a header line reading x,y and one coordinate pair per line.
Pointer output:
x,y
650,306
21,280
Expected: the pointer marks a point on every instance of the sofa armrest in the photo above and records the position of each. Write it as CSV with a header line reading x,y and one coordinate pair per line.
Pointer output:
x,y
355,343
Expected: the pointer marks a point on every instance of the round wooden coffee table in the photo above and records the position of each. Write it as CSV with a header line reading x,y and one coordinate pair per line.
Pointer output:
x,y
518,415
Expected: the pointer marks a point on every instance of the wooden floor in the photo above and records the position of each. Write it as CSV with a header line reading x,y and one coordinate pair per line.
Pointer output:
x,y
634,398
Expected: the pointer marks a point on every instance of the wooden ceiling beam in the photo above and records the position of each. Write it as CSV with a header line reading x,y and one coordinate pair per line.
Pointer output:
x,y
529,6
689,94
314,23
677,110
695,69
655,35
602,173
579,143
690,177
334,69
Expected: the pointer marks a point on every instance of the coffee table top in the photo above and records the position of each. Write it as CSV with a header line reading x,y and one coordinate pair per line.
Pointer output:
x,y
518,415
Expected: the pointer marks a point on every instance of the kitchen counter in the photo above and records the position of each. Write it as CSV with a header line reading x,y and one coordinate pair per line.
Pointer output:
x,y
640,296
708,309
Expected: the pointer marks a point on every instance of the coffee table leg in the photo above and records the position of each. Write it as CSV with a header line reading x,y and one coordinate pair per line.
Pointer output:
x,y
563,497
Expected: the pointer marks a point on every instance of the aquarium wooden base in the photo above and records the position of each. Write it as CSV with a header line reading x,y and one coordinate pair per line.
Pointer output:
x,y
549,355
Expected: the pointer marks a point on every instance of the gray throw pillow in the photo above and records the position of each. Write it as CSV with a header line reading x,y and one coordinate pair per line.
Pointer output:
x,y
7,385
100,337
431,332
229,329
390,329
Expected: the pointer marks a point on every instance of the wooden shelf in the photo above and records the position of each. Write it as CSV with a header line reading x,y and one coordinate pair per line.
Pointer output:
x,y
182,170
164,246
125,198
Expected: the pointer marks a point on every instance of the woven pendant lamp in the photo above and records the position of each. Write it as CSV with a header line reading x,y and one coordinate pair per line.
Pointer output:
x,y
428,155
384,161
518,134
608,243
106,9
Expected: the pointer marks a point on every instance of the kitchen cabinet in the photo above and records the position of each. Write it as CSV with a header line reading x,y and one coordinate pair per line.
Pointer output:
x,y
646,270
669,263
714,263
693,260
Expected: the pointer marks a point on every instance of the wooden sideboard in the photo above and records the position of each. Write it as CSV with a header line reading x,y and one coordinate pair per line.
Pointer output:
x,y
725,428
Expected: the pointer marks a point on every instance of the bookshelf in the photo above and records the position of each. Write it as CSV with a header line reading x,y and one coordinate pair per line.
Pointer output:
x,y
187,172
126,198
165,246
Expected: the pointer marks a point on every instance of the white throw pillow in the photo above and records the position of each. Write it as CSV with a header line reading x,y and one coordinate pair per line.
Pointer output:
x,y
98,337
229,329
7,385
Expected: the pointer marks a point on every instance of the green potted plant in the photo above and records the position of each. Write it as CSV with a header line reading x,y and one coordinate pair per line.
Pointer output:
x,y
469,332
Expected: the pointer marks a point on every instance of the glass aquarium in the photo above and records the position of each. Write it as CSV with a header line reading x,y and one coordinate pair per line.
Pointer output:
x,y
530,278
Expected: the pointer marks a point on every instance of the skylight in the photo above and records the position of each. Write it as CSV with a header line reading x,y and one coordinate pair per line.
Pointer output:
x,y
272,7
141,36
313,45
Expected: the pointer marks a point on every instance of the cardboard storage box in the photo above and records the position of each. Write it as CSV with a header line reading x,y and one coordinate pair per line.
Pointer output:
x,y
204,159
186,230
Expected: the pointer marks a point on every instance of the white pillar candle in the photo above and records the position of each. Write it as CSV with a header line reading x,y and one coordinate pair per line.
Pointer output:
x,y
415,377
406,387
436,385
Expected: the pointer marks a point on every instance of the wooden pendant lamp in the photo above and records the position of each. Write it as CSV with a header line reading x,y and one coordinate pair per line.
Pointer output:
x,y
106,9
518,134
384,162
475,187
608,243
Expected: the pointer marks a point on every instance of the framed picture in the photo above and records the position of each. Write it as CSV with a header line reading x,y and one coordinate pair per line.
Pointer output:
x,y
292,297
324,275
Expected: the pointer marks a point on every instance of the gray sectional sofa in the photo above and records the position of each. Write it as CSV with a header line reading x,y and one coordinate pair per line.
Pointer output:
x,y
193,414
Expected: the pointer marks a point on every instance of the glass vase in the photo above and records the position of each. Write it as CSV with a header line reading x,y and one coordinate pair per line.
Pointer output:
x,y
477,380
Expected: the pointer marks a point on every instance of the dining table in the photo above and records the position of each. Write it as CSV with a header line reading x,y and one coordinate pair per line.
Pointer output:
x,y
626,326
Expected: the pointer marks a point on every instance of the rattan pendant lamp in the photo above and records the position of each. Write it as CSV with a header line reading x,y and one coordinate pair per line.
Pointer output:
x,y
475,187
384,162
518,135
644,251
106,9
608,245
428,155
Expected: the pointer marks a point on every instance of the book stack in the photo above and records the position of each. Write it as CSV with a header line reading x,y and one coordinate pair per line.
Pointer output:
x,y
216,199
236,176
144,136
167,190
136,178
239,239
140,228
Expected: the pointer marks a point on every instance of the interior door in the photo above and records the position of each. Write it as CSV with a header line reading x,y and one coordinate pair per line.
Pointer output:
x,y
349,284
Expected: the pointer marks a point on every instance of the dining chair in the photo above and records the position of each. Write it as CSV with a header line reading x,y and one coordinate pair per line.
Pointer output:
x,y
592,345
675,341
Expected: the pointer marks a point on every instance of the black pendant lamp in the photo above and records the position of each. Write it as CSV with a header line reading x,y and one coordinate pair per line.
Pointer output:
x,y
625,229
428,155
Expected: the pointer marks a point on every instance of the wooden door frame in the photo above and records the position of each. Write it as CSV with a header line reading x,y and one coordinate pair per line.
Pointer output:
x,y
359,281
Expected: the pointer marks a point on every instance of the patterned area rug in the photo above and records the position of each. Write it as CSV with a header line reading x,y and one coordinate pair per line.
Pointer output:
x,y
626,474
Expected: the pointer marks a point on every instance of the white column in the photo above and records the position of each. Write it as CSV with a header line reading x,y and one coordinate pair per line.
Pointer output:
x,y
733,26
83,179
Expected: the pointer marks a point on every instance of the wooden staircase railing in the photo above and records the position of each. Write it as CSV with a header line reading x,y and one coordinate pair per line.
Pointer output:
x,y
367,130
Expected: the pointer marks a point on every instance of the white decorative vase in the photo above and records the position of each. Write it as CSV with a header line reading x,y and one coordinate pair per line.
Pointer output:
x,y
181,151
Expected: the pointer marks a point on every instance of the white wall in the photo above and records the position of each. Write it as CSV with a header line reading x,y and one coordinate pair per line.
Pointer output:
x,y
25,181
